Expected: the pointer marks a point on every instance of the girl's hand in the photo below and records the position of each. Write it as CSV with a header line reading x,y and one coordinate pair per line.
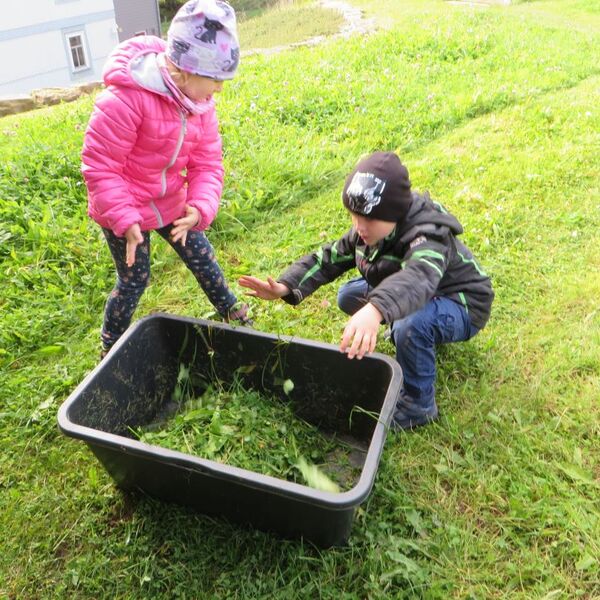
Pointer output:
x,y
134,237
266,290
360,332
184,224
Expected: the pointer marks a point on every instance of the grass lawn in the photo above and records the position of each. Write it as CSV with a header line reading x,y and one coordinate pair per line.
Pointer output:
x,y
495,112
287,23
280,22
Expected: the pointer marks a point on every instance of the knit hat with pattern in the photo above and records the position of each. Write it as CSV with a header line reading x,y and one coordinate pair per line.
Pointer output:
x,y
203,40
379,188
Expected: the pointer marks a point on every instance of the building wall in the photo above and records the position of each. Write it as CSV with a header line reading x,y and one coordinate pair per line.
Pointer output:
x,y
25,14
33,36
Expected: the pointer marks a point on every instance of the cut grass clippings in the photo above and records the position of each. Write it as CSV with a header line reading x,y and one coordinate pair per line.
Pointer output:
x,y
247,429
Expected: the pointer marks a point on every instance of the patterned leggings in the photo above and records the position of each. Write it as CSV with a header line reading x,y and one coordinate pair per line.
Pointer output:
x,y
197,254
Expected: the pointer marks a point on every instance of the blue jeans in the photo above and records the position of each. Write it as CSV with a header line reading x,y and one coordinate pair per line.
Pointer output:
x,y
198,256
440,321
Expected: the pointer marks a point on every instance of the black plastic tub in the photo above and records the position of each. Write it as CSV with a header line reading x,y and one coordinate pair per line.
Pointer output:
x,y
135,383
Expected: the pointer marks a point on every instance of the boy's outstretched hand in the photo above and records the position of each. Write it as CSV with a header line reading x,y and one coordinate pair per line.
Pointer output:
x,y
360,333
266,290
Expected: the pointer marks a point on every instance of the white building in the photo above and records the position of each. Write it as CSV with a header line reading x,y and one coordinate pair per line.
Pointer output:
x,y
60,43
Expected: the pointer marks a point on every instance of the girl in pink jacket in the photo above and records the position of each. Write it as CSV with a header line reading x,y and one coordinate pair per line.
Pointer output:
x,y
152,155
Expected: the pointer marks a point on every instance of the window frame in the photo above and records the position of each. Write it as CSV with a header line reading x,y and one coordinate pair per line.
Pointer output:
x,y
82,45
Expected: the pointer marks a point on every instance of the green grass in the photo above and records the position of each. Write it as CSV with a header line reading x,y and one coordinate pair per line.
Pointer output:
x,y
495,111
288,23
280,22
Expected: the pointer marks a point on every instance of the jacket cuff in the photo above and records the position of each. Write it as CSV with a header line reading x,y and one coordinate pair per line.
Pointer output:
x,y
120,227
294,297
206,217
387,317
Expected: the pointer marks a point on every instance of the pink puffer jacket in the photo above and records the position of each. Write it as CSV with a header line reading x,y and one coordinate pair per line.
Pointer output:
x,y
141,149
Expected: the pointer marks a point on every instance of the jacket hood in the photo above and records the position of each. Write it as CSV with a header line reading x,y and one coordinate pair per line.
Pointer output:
x,y
426,217
133,64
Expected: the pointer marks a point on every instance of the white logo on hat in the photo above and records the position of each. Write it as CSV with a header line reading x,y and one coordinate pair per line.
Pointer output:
x,y
364,192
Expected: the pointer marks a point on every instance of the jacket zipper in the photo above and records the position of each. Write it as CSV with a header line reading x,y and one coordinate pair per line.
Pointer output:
x,y
163,175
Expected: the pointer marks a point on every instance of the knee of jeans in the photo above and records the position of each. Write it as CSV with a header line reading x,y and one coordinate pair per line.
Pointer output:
x,y
406,332
400,332
345,302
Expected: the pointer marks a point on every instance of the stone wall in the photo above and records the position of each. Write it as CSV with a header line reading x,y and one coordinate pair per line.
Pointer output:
x,y
46,97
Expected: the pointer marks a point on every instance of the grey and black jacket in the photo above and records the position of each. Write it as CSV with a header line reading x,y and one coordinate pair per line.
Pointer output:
x,y
421,258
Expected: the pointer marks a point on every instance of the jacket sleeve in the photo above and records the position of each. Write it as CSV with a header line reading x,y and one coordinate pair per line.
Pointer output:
x,y
313,270
205,172
110,135
409,289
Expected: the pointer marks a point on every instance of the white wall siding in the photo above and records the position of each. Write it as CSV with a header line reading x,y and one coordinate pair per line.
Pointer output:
x,y
33,36
24,14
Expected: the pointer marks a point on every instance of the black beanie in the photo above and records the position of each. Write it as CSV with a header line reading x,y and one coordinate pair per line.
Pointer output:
x,y
379,188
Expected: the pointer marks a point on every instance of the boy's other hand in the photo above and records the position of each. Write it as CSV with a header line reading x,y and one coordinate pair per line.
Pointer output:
x,y
360,333
266,290
184,224
134,237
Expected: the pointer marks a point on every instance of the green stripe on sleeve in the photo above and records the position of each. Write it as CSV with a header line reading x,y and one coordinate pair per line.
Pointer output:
x,y
432,265
474,263
338,258
313,269
430,253
392,258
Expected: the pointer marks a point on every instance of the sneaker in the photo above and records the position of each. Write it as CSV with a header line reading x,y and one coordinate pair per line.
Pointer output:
x,y
238,313
409,416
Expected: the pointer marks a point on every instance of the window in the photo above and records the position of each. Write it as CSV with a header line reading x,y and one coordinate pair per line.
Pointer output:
x,y
76,46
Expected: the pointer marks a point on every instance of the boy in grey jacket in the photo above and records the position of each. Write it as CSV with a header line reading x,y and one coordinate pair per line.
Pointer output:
x,y
415,275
